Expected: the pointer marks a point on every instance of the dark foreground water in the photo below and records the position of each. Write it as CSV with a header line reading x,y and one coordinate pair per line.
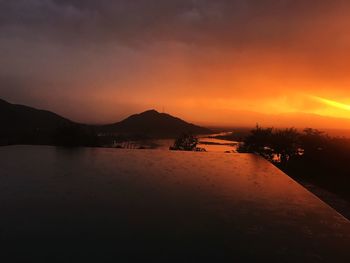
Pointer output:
x,y
113,205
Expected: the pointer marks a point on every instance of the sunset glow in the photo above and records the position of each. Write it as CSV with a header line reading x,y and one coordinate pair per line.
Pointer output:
x,y
175,130
334,104
231,63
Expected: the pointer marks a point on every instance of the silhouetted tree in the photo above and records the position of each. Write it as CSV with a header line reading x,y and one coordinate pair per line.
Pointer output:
x,y
285,144
310,155
259,141
186,142
273,144
314,142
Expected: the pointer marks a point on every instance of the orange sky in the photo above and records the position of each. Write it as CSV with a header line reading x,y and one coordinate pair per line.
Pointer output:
x,y
233,63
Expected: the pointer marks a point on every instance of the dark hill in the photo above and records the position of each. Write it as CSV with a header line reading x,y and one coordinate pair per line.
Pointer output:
x,y
14,117
25,125
154,124
22,124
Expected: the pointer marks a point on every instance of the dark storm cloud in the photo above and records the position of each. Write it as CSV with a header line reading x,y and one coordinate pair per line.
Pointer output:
x,y
202,22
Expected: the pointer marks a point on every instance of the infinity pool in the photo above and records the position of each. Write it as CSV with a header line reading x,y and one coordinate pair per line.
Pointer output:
x,y
115,205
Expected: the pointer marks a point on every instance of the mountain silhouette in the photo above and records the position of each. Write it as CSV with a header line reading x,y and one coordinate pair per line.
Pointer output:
x,y
23,124
14,116
26,125
154,124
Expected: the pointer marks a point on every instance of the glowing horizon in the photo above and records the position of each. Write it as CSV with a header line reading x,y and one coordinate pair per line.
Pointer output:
x,y
333,103
209,62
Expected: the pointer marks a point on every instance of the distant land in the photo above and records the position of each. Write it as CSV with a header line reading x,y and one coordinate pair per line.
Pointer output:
x,y
22,124
25,125
282,120
154,124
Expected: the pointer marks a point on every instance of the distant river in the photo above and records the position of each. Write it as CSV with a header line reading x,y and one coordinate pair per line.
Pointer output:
x,y
206,142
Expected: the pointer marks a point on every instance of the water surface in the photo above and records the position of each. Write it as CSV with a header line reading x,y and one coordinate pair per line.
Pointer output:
x,y
116,205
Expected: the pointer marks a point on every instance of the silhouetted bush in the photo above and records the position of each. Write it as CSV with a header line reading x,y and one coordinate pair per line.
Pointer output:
x,y
276,145
259,141
186,142
310,155
285,144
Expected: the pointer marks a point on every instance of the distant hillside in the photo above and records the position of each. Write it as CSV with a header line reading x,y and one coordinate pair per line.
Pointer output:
x,y
22,124
154,124
25,125
14,117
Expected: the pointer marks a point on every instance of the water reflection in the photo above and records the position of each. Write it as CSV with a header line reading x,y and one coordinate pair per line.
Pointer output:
x,y
207,142
160,206
211,144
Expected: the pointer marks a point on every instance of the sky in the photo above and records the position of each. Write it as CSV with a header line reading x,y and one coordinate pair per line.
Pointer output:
x,y
222,62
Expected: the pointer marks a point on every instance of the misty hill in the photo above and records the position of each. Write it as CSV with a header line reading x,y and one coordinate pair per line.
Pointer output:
x,y
153,124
